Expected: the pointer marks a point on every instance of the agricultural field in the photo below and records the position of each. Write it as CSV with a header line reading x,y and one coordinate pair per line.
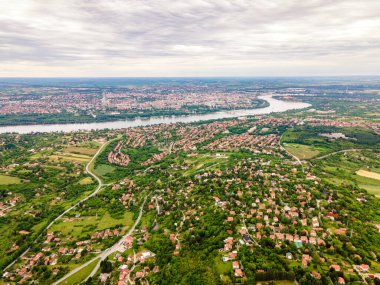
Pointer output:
x,y
368,174
79,227
301,151
70,157
86,181
356,168
6,180
81,150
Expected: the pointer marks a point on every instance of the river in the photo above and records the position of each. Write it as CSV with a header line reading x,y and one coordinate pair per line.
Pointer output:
x,y
275,106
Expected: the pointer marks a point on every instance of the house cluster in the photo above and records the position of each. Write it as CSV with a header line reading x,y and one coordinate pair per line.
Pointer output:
x,y
264,200
127,272
47,100
9,202
117,156
254,143
311,121
147,99
230,253
54,248
105,234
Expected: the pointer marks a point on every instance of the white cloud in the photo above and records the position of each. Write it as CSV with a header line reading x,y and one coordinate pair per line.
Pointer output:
x,y
185,38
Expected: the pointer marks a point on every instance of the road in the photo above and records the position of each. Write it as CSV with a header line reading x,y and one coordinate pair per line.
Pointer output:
x,y
289,153
100,185
101,256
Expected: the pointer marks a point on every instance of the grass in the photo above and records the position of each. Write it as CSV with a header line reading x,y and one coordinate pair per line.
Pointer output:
x,y
310,136
369,184
276,282
222,267
6,180
104,169
201,162
81,274
90,224
80,150
368,174
70,157
355,167
85,181
301,151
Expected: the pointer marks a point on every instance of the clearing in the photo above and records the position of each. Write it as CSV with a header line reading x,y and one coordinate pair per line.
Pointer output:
x,y
80,150
368,174
6,180
71,157
276,282
81,274
104,169
85,181
79,227
301,151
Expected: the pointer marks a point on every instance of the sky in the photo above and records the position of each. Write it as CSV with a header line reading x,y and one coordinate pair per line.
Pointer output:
x,y
115,38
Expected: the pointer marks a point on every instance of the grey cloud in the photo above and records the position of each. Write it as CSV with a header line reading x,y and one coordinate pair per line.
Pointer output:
x,y
215,32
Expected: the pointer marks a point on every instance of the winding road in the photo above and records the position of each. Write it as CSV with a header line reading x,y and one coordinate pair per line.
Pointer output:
x,y
101,256
88,170
100,185
289,153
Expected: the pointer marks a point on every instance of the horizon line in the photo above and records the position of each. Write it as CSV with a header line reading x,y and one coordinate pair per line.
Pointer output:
x,y
216,76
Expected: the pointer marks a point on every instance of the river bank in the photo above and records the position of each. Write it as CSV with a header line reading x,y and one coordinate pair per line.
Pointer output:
x,y
275,106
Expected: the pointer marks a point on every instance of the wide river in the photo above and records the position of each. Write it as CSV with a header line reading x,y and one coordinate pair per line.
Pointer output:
x,y
275,106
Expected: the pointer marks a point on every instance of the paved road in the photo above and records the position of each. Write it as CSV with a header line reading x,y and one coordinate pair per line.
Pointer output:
x,y
100,185
101,256
289,153
119,245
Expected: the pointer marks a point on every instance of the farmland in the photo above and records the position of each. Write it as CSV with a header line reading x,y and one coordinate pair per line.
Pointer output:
x,y
6,180
301,151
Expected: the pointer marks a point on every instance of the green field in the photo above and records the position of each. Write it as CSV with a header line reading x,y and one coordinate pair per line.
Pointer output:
x,y
301,151
104,169
308,139
79,227
201,162
343,168
86,181
70,157
222,267
276,282
81,274
80,150
369,184
6,180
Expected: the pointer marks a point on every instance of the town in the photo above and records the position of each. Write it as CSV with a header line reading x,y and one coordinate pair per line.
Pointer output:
x,y
282,198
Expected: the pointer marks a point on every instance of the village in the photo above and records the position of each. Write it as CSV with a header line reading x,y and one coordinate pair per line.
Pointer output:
x,y
225,187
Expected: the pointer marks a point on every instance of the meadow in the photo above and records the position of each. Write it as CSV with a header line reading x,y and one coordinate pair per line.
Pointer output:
x,y
80,275
301,151
7,180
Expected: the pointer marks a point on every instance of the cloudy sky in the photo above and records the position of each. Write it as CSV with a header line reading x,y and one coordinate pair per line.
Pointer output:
x,y
189,38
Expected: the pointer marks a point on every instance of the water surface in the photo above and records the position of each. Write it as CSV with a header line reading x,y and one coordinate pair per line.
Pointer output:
x,y
275,106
